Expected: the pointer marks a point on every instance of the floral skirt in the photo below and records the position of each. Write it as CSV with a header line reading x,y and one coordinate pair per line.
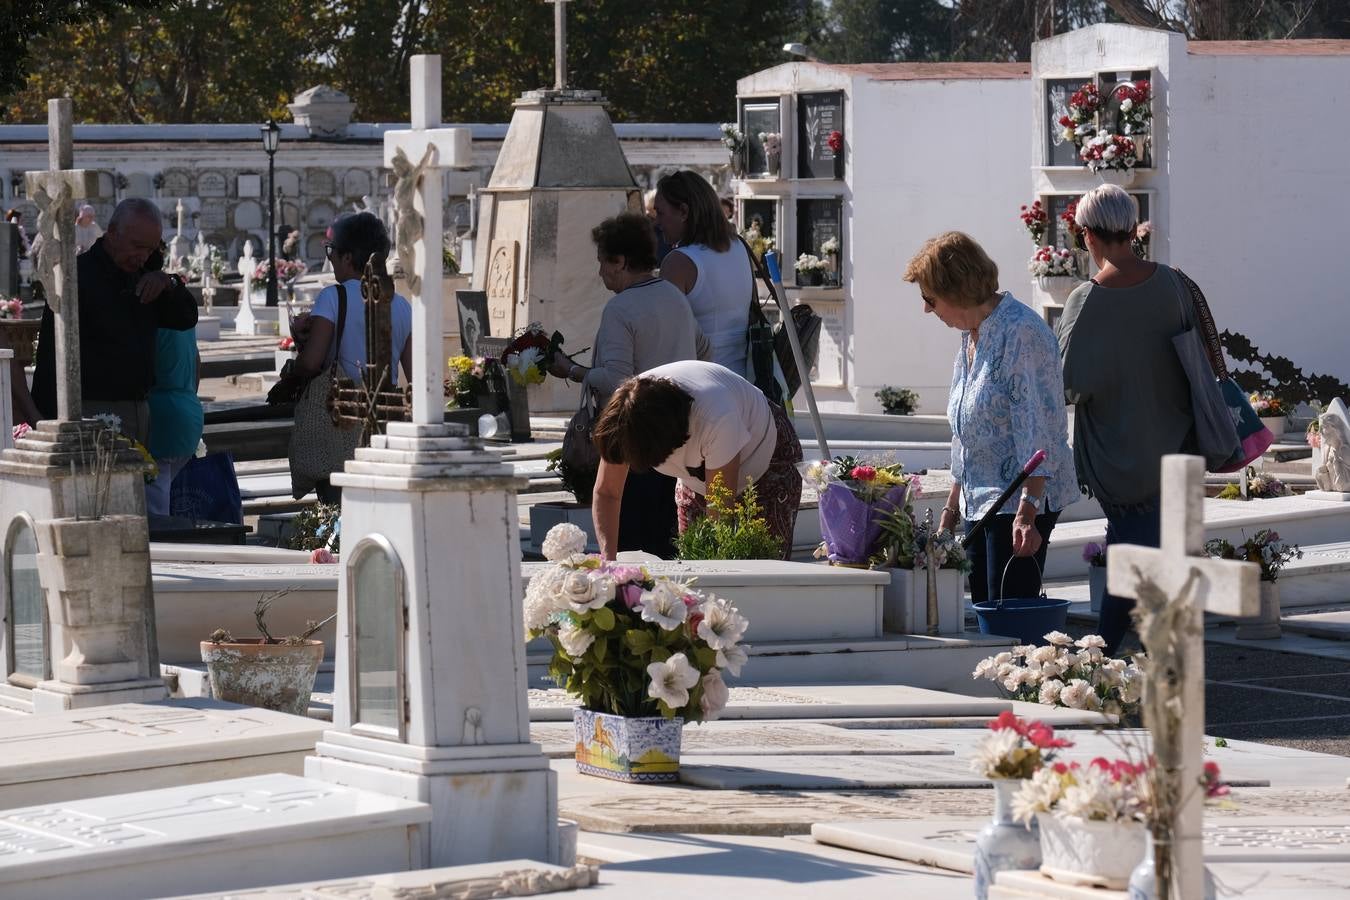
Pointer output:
x,y
779,489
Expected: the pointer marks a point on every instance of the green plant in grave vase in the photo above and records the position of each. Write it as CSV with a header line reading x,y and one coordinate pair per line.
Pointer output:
x,y
897,401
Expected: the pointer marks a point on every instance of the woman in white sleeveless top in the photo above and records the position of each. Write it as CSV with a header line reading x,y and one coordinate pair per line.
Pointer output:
x,y
708,264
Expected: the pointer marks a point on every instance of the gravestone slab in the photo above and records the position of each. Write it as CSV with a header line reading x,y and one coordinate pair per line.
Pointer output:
x,y
507,878
212,184
214,215
248,184
809,702
835,773
138,746
246,832
951,845
758,739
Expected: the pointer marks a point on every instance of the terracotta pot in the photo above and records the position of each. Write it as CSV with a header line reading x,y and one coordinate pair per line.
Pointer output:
x,y
622,748
272,676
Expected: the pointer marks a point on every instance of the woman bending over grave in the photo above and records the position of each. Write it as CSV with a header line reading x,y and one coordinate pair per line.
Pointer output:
x,y
335,335
694,421
646,324
1132,401
708,264
1006,403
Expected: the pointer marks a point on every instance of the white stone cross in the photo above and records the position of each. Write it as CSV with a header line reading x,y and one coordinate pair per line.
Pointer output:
x,y
178,244
56,192
559,43
417,157
1184,576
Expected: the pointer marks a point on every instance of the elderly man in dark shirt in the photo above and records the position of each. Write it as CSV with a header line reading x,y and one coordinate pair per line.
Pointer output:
x,y
124,300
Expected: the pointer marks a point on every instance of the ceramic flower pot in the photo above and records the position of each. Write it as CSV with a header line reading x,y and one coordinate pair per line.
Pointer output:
x,y
810,277
639,750
1003,844
773,162
1096,586
272,676
1101,854
1265,625
1276,425
1144,882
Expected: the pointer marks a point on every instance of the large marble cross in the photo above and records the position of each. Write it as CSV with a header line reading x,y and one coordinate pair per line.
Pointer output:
x,y
559,43
417,157
1160,579
56,193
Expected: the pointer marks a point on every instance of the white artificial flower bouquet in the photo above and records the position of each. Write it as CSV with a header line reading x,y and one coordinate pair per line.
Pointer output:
x,y
809,262
1064,672
628,643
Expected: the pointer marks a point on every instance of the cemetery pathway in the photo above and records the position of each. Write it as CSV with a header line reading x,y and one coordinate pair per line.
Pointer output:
x,y
1289,699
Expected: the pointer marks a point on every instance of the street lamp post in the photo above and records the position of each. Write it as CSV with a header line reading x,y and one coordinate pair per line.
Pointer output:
x,y
271,136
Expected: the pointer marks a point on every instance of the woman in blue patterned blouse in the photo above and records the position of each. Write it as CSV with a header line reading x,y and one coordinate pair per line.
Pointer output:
x,y
1007,402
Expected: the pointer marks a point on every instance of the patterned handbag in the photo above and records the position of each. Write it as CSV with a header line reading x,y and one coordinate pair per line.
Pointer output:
x,y
319,446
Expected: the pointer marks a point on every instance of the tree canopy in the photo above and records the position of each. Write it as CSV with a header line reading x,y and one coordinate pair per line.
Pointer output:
x,y
242,60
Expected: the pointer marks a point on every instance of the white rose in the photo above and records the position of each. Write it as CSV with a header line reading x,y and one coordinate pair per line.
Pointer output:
x,y
578,593
575,641
1126,105
715,695
1059,638
562,541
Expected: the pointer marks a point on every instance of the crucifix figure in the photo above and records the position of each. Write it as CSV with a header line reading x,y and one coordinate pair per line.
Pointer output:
x,y
559,44
1175,586
434,149
56,193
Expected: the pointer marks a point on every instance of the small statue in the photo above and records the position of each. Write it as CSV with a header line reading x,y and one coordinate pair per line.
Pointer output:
x,y
410,221
1334,473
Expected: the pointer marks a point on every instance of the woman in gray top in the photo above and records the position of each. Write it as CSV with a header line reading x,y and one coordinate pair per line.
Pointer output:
x,y
1132,402
647,323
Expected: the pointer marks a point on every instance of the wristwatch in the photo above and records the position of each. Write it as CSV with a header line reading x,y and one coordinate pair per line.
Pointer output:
x,y
1036,503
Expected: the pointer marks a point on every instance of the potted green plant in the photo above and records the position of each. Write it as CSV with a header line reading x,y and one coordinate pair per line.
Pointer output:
x,y
734,529
642,653
272,673
1266,549
897,401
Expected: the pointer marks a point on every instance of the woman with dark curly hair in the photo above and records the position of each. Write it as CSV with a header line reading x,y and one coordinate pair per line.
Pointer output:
x,y
695,421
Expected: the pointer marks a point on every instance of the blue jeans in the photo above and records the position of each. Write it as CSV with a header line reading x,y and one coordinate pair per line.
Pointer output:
x,y
1134,525
990,557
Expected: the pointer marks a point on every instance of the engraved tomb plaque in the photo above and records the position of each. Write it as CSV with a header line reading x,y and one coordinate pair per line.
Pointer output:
x,y
27,615
501,287
376,610
212,184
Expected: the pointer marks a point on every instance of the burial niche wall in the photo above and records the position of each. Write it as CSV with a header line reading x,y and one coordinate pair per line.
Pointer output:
x,y
377,611
27,630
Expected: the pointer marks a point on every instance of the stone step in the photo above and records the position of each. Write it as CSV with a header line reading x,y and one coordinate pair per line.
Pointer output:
x,y
235,834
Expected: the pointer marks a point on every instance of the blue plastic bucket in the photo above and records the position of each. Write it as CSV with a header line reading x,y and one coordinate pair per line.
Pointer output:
x,y
1028,619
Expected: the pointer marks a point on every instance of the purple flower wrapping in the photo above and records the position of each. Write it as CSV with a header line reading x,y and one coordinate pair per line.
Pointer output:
x,y
850,525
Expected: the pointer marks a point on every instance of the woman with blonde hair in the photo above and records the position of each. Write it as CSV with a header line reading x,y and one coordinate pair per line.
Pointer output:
x,y
1006,403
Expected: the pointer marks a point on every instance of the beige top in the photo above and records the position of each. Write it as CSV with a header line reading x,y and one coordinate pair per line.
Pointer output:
x,y
642,327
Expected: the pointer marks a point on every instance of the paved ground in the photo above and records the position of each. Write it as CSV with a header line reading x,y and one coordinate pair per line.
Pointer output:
x,y
1289,699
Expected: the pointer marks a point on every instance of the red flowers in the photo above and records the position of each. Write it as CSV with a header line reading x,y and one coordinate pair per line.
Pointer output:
x,y
1007,719
835,141
863,473
1084,103
1069,216
1038,734
1212,782
1035,218
286,343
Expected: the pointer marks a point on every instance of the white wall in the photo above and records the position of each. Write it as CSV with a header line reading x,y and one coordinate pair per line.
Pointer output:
x,y
929,156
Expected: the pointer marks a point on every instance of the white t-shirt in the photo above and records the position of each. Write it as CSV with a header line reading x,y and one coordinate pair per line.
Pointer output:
x,y
720,300
729,419
353,350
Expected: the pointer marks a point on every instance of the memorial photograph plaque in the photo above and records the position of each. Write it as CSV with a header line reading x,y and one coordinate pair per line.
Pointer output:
x,y
27,615
1059,150
1111,119
759,117
761,215
819,116
818,224
376,612
473,320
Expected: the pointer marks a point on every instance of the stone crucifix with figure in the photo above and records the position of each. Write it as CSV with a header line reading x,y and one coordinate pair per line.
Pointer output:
x,y
57,192
417,157
1174,587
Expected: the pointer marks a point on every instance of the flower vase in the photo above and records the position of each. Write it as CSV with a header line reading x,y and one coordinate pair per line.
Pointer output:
x,y
738,164
1265,625
1275,424
773,161
1084,852
642,750
1096,587
810,277
1004,845
1144,883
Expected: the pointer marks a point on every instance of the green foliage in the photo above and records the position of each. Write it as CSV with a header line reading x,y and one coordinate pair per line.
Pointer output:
x,y
733,529
316,526
898,401
579,482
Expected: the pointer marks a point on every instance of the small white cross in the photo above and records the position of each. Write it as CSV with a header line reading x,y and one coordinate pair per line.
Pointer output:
x,y
559,43
1207,585
56,191
420,154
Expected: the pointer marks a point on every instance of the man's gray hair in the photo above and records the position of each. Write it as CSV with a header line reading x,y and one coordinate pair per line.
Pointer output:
x,y
1108,210
132,208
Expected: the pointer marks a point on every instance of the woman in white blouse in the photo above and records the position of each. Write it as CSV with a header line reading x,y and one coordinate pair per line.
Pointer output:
x,y
695,421
646,324
708,264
